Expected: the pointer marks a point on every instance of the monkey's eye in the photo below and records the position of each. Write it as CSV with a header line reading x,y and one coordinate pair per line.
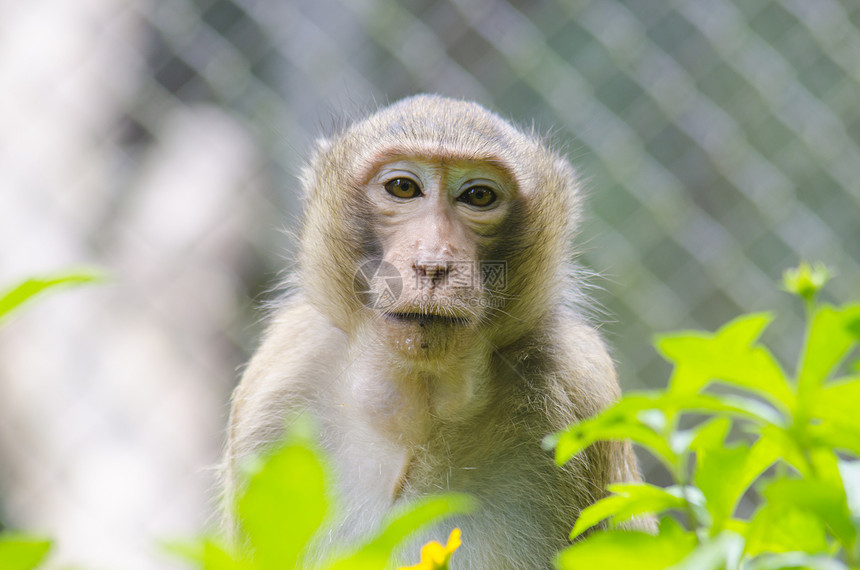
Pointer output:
x,y
478,196
403,188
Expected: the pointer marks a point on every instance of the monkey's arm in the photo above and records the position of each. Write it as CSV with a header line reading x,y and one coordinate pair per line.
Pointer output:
x,y
591,385
299,348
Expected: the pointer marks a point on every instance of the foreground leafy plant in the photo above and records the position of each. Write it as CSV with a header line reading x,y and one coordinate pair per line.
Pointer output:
x,y
796,440
792,441
18,294
284,505
20,551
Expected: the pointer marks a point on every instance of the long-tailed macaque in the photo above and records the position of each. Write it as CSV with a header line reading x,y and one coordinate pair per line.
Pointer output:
x,y
435,332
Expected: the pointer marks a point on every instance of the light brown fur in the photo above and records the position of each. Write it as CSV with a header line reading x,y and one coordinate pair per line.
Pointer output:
x,y
414,406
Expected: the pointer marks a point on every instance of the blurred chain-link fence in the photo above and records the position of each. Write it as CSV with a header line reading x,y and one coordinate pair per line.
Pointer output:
x,y
720,141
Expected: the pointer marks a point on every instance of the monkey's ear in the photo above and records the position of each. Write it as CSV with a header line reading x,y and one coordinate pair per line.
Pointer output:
x,y
320,147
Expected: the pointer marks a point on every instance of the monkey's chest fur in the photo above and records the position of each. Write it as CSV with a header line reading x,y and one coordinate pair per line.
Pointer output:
x,y
474,425
394,438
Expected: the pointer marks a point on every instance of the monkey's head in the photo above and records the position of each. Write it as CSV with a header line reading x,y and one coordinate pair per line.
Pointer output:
x,y
439,225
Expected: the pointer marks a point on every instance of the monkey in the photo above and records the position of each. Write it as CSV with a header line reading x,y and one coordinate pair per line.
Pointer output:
x,y
437,329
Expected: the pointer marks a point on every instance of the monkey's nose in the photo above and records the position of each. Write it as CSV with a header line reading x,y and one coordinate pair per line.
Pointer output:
x,y
434,271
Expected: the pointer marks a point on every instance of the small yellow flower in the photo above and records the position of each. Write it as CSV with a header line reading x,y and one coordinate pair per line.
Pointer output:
x,y
434,556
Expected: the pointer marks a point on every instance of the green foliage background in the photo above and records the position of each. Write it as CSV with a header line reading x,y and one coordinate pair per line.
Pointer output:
x,y
20,551
796,439
792,440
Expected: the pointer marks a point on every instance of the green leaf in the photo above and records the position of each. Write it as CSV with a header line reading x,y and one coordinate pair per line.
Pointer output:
x,y
208,554
627,501
722,551
829,341
283,504
832,434
376,552
811,459
852,325
731,405
835,406
19,294
724,473
800,508
728,356
21,551
631,418
838,401
617,423
622,550
785,528
794,561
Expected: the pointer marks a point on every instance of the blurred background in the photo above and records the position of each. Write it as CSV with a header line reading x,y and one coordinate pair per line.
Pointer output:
x,y
719,141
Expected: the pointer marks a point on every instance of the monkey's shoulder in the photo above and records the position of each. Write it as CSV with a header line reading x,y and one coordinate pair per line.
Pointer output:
x,y
565,366
299,344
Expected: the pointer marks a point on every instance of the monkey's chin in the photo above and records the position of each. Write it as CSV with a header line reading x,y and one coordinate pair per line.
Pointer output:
x,y
422,336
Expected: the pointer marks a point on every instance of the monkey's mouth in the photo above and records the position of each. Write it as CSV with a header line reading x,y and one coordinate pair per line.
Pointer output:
x,y
423,319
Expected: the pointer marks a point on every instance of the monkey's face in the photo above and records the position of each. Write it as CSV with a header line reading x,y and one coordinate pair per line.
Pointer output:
x,y
436,222
439,224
